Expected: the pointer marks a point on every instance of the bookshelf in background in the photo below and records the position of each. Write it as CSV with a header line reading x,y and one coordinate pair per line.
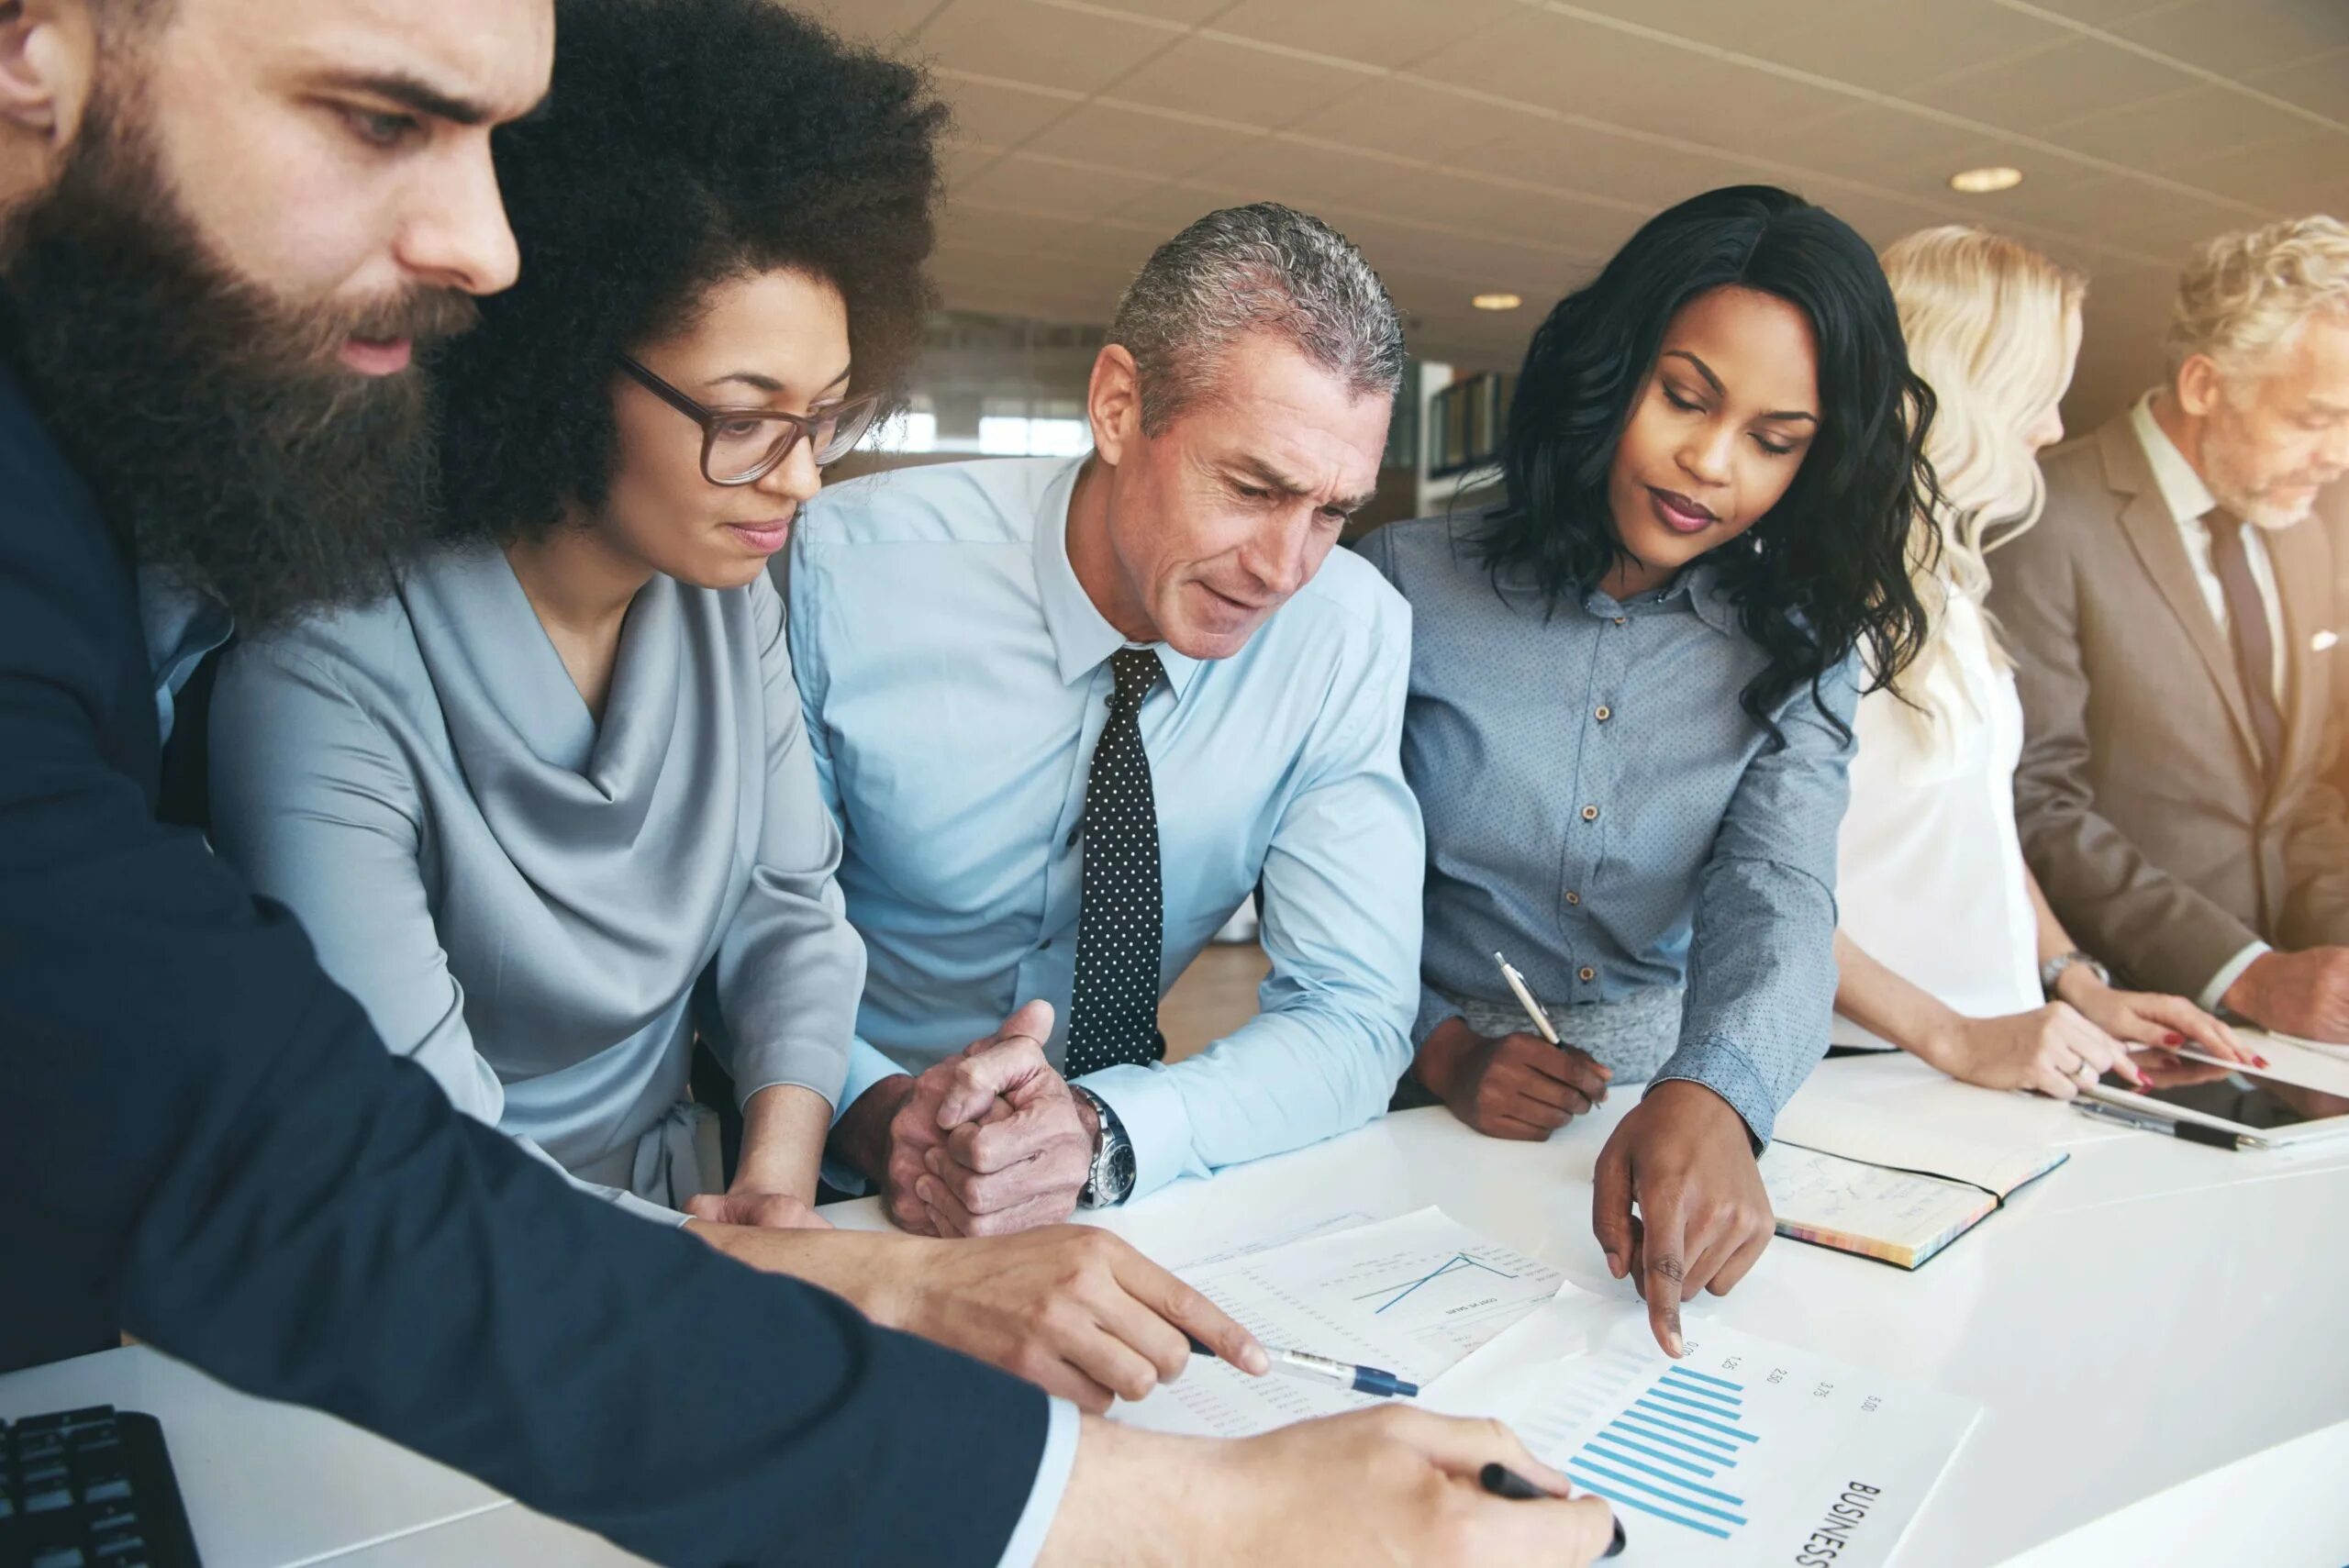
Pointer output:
x,y
1464,423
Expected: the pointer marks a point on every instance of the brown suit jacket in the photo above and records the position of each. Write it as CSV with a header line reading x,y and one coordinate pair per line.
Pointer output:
x,y
2143,809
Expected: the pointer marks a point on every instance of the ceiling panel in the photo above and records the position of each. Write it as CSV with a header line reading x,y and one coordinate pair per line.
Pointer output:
x,y
2034,91
1128,137
1025,181
1889,46
1001,115
1019,41
1413,119
1592,162
1562,62
1471,144
1305,176
2159,132
1379,32
2235,37
1211,77
2320,85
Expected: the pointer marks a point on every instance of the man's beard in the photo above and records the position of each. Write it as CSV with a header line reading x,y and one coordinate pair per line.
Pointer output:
x,y
224,443
2235,485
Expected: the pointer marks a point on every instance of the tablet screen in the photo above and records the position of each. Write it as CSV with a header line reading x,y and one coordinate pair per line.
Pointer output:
x,y
2244,1095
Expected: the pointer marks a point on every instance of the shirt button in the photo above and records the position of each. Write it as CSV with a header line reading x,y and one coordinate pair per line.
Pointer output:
x,y
1605,713
1618,620
1586,974
1573,898
1590,814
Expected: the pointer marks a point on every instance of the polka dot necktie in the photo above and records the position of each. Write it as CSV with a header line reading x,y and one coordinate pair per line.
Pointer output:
x,y
1113,1008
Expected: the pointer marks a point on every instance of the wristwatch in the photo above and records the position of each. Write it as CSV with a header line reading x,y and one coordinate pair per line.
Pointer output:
x,y
1111,1180
2053,971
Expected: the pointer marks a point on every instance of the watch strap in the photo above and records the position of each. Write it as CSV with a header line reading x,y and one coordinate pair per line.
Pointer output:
x,y
2053,970
1107,1139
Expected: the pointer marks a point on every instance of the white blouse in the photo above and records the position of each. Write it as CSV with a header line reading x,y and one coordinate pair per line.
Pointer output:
x,y
1930,872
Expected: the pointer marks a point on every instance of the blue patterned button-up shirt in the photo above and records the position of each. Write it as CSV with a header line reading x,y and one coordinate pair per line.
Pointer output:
x,y
1600,809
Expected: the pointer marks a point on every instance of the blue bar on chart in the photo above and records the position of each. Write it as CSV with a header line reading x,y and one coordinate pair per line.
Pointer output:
x,y
1662,1450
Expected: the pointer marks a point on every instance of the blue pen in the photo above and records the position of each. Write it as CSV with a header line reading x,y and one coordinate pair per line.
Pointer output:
x,y
1322,1369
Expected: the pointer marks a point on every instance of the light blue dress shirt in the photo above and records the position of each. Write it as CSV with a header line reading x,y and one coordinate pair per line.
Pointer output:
x,y
956,677
1600,809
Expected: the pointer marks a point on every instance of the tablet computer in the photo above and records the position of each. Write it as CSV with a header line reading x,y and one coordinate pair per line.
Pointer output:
x,y
2258,1109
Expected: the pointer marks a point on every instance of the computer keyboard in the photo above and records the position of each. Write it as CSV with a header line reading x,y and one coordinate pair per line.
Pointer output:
x,y
90,1489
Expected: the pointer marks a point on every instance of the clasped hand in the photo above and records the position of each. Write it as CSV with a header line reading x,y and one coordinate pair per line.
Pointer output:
x,y
990,1141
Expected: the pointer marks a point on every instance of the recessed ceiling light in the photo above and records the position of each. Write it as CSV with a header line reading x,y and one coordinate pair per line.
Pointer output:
x,y
1981,182
1497,302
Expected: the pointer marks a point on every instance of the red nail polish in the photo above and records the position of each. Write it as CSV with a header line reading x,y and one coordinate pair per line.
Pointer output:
x,y
2261,1060
2173,1040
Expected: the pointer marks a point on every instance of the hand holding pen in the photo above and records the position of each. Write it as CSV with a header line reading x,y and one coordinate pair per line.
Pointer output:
x,y
1521,1086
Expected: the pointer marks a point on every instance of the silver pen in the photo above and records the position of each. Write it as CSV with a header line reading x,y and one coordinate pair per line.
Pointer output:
x,y
1525,997
1324,1368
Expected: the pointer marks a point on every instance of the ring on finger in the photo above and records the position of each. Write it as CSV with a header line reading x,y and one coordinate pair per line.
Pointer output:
x,y
2085,1072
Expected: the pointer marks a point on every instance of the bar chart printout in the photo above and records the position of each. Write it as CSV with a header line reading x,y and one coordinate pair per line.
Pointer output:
x,y
1746,1451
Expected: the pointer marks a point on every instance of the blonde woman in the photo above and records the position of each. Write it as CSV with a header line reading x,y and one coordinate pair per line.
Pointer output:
x,y
1946,949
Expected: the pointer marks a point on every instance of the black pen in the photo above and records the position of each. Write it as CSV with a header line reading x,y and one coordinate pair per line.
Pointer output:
x,y
1502,1482
2174,1126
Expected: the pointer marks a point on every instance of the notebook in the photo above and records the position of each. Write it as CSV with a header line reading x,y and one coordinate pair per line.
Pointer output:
x,y
1881,1186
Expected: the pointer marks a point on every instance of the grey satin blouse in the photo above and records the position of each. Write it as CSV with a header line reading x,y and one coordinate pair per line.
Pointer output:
x,y
539,913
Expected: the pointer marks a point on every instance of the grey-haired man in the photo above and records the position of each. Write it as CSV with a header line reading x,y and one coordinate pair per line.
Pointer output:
x,y
1072,712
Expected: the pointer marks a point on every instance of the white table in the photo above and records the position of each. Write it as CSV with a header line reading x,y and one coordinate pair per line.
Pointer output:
x,y
2151,1331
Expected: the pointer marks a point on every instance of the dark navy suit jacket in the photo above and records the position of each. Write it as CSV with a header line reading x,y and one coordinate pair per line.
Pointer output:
x,y
202,1143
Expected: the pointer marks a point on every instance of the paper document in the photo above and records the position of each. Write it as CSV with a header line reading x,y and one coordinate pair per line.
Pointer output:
x,y
1411,1296
1745,1451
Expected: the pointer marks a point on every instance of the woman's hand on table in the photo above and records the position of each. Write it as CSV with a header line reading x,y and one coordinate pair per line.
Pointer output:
x,y
1685,1157
2054,1050
1519,1085
2149,1017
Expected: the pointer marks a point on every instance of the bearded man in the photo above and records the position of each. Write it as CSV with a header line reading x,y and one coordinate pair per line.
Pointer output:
x,y
225,226
2173,622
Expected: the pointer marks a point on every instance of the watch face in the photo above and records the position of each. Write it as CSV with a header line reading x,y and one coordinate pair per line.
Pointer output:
x,y
1122,1172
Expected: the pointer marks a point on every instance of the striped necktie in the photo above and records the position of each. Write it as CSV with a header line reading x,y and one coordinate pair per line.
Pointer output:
x,y
2247,629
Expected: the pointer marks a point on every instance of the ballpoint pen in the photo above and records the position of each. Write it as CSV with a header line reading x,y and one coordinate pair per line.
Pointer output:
x,y
1533,1008
1325,1369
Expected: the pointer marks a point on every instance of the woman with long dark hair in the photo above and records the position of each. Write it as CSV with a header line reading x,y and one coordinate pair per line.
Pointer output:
x,y
1631,709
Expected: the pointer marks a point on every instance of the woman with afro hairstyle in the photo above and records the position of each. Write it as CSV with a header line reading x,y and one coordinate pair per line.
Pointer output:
x,y
548,810
1631,706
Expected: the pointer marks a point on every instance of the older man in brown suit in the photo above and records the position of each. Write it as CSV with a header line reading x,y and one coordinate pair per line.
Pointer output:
x,y
2173,621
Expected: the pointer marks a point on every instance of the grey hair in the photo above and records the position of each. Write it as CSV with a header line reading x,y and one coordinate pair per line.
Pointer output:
x,y
2243,295
1261,268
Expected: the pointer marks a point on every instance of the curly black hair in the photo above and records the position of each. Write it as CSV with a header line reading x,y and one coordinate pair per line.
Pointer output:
x,y
683,142
1827,569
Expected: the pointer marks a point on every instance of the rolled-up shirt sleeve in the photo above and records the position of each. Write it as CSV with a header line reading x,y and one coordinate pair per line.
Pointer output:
x,y
1762,956
789,966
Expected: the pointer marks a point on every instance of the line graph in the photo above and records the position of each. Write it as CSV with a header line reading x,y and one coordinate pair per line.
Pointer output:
x,y
1456,1263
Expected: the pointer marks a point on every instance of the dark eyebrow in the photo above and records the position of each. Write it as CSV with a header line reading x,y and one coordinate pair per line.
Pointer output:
x,y
1273,479
770,386
1719,390
412,91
